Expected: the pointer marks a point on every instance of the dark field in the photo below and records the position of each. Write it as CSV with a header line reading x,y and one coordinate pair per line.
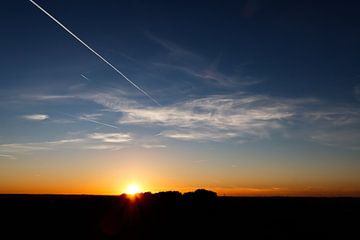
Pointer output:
x,y
172,215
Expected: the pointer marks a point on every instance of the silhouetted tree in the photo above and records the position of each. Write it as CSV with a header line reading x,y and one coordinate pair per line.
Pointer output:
x,y
200,195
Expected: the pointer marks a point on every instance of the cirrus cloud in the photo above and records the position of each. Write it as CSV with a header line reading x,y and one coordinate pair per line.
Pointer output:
x,y
217,117
242,117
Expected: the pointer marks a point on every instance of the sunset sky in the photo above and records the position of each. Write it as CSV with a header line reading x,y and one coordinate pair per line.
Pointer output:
x,y
240,97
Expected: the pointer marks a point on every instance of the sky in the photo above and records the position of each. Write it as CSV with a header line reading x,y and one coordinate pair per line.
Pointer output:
x,y
249,97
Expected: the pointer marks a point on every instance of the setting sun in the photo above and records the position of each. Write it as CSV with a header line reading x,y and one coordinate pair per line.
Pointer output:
x,y
133,189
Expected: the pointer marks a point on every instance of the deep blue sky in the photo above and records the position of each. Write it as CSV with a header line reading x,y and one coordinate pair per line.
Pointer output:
x,y
298,48
251,79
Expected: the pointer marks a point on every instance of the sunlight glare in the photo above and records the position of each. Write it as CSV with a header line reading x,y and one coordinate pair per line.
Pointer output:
x,y
133,189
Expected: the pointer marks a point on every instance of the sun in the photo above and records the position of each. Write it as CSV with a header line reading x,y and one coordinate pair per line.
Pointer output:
x,y
133,189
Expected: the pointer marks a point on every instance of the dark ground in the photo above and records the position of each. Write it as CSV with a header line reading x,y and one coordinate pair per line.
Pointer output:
x,y
171,215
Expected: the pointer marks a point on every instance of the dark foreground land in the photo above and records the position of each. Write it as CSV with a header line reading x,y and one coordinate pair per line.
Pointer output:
x,y
170,215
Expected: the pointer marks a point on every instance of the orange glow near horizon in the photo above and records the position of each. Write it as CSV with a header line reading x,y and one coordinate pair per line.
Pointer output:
x,y
153,172
134,188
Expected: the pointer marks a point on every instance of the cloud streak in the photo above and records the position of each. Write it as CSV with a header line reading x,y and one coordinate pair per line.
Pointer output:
x,y
37,146
7,156
111,137
94,141
36,117
104,147
198,135
149,146
64,141
93,51
83,76
92,118
23,147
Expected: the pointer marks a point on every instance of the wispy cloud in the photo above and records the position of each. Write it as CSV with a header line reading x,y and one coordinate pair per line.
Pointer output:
x,y
50,97
220,111
242,117
182,60
36,117
173,48
7,156
22,147
209,74
95,141
111,137
336,116
104,147
198,135
91,116
214,117
149,146
344,138
63,141
36,146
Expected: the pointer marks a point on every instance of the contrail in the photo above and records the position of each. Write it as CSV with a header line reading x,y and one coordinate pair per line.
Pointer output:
x,y
89,120
93,51
101,123
85,77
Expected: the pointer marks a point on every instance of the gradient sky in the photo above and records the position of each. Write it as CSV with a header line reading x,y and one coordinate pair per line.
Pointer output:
x,y
256,97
